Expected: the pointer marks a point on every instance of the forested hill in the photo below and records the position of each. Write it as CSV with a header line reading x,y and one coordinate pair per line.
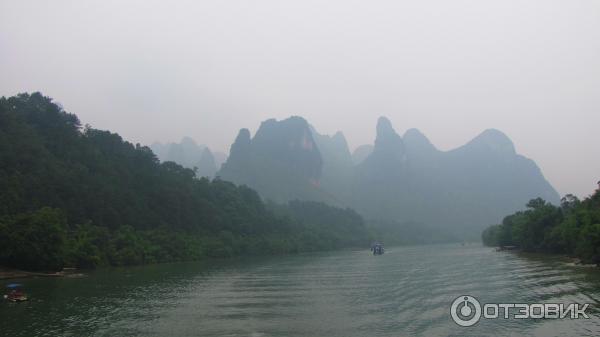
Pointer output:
x,y
85,197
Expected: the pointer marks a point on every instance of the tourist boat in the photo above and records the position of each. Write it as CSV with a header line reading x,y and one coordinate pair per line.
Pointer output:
x,y
16,293
377,248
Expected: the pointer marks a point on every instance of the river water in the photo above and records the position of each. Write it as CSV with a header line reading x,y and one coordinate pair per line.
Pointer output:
x,y
406,292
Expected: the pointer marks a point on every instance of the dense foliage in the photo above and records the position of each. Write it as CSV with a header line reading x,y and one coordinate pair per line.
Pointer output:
x,y
572,228
85,197
325,226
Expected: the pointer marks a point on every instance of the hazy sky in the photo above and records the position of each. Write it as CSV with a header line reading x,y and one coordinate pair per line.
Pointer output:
x,y
153,70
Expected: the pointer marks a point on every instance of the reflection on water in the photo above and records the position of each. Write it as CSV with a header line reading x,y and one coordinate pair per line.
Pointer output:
x,y
406,292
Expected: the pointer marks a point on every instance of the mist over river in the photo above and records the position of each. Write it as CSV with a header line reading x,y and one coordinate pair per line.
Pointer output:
x,y
405,292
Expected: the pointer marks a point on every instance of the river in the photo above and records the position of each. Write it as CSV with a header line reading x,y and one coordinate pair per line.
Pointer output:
x,y
406,292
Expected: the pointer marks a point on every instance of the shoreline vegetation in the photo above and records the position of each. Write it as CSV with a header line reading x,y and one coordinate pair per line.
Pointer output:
x,y
73,196
571,229
6,273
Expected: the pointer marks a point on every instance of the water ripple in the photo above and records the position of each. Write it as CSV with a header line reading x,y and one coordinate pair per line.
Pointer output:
x,y
406,292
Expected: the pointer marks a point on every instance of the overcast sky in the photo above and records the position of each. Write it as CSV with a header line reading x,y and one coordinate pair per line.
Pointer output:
x,y
153,70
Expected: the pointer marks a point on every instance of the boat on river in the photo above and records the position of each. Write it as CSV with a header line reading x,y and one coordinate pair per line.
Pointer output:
x,y
16,293
377,248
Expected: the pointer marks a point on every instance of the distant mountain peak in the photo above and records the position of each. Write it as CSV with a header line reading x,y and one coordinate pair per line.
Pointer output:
x,y
292,120
384,126
387,141
188,140
415,140
339,136
361,153
207,153
243,136
241,144
280,160
414,133
494,140
339,141
187,153
206,165
494,133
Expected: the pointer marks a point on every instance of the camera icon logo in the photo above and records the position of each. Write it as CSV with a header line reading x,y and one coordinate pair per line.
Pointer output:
x,y
465,310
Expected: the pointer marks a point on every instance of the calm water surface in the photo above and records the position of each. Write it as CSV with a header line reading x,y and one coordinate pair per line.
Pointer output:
x,y
406,292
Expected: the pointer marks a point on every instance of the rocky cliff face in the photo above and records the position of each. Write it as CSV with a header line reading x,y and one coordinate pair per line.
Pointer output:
x,y
399,178
281,161
337,164
388,160
290,143
408,179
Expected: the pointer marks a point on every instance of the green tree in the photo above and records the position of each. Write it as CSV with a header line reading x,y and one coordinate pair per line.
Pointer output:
x,y
589,247
125,207
573,228
36,240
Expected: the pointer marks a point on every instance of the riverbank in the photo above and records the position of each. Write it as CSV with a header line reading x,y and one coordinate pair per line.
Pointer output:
x,y
6,273
576,262
570,261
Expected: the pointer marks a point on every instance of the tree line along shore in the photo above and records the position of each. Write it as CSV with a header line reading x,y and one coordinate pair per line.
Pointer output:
x,y
75,196
572,228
